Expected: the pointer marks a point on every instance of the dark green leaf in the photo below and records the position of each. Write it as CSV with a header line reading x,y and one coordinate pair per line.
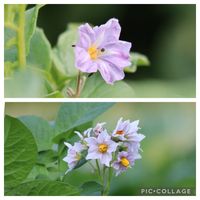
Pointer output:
x,y
71,115
43,188
20,152
91,188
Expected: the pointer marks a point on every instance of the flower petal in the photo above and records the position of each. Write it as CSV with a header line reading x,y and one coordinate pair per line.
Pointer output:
x,y
110,72
103,137
118,54
112,146
83,61
107,32
93,155
106,158
86,36
91,141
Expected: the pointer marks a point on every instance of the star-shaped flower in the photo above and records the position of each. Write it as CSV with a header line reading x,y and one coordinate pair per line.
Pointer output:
x,y
101,148
99,49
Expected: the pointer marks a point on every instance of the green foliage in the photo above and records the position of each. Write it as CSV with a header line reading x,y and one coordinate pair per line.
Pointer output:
x,y
63,53
91,188
20,152
51,71
30,25
34,157
26,83
137,60
43,188
40,56
96,87
41,130
72,115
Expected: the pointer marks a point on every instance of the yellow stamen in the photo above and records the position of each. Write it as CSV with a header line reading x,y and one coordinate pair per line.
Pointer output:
x,y
103,148
94,52
125,162
120,132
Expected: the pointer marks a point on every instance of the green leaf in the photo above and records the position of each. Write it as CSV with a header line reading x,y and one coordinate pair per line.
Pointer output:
x,y
40,51
38,172
44,188
137,59
71,115
96,87
91,188
30,19
46,157
55,94
63,53
69,135
25,83
41,130
20,152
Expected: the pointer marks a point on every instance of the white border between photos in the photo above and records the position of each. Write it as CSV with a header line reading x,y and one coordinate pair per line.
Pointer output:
x,y
197,99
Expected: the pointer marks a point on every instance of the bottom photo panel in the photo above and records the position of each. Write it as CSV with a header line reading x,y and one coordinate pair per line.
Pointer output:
x,y
100,149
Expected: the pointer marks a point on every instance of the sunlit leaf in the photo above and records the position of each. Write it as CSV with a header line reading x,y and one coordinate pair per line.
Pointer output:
x,y
96,87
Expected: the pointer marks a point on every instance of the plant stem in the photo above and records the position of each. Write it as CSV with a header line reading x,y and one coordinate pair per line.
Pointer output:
x,y
100,177
21,37
104,182
98,168
108,181
78,86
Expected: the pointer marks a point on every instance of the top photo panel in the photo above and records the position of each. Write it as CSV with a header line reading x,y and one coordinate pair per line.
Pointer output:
x,y
100,51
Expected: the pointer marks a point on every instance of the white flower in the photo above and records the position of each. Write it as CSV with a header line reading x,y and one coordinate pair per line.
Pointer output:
x,y
127,131
85,134
124,160
73,154
98,128
101,148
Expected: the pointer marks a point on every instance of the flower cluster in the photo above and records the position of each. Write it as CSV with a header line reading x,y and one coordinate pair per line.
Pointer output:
x,y
99,49
118,149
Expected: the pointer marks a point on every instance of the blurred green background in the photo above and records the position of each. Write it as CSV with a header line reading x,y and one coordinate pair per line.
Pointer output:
x,y
165,33
169,150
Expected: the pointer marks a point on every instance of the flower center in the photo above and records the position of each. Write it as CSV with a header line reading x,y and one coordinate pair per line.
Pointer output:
x,y
120,132
125,162
103,148
93,52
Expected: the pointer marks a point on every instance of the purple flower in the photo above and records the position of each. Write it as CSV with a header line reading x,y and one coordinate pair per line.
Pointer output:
x,y
98,128
73,154
124,160
127,131
101,148
132,146
99,48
